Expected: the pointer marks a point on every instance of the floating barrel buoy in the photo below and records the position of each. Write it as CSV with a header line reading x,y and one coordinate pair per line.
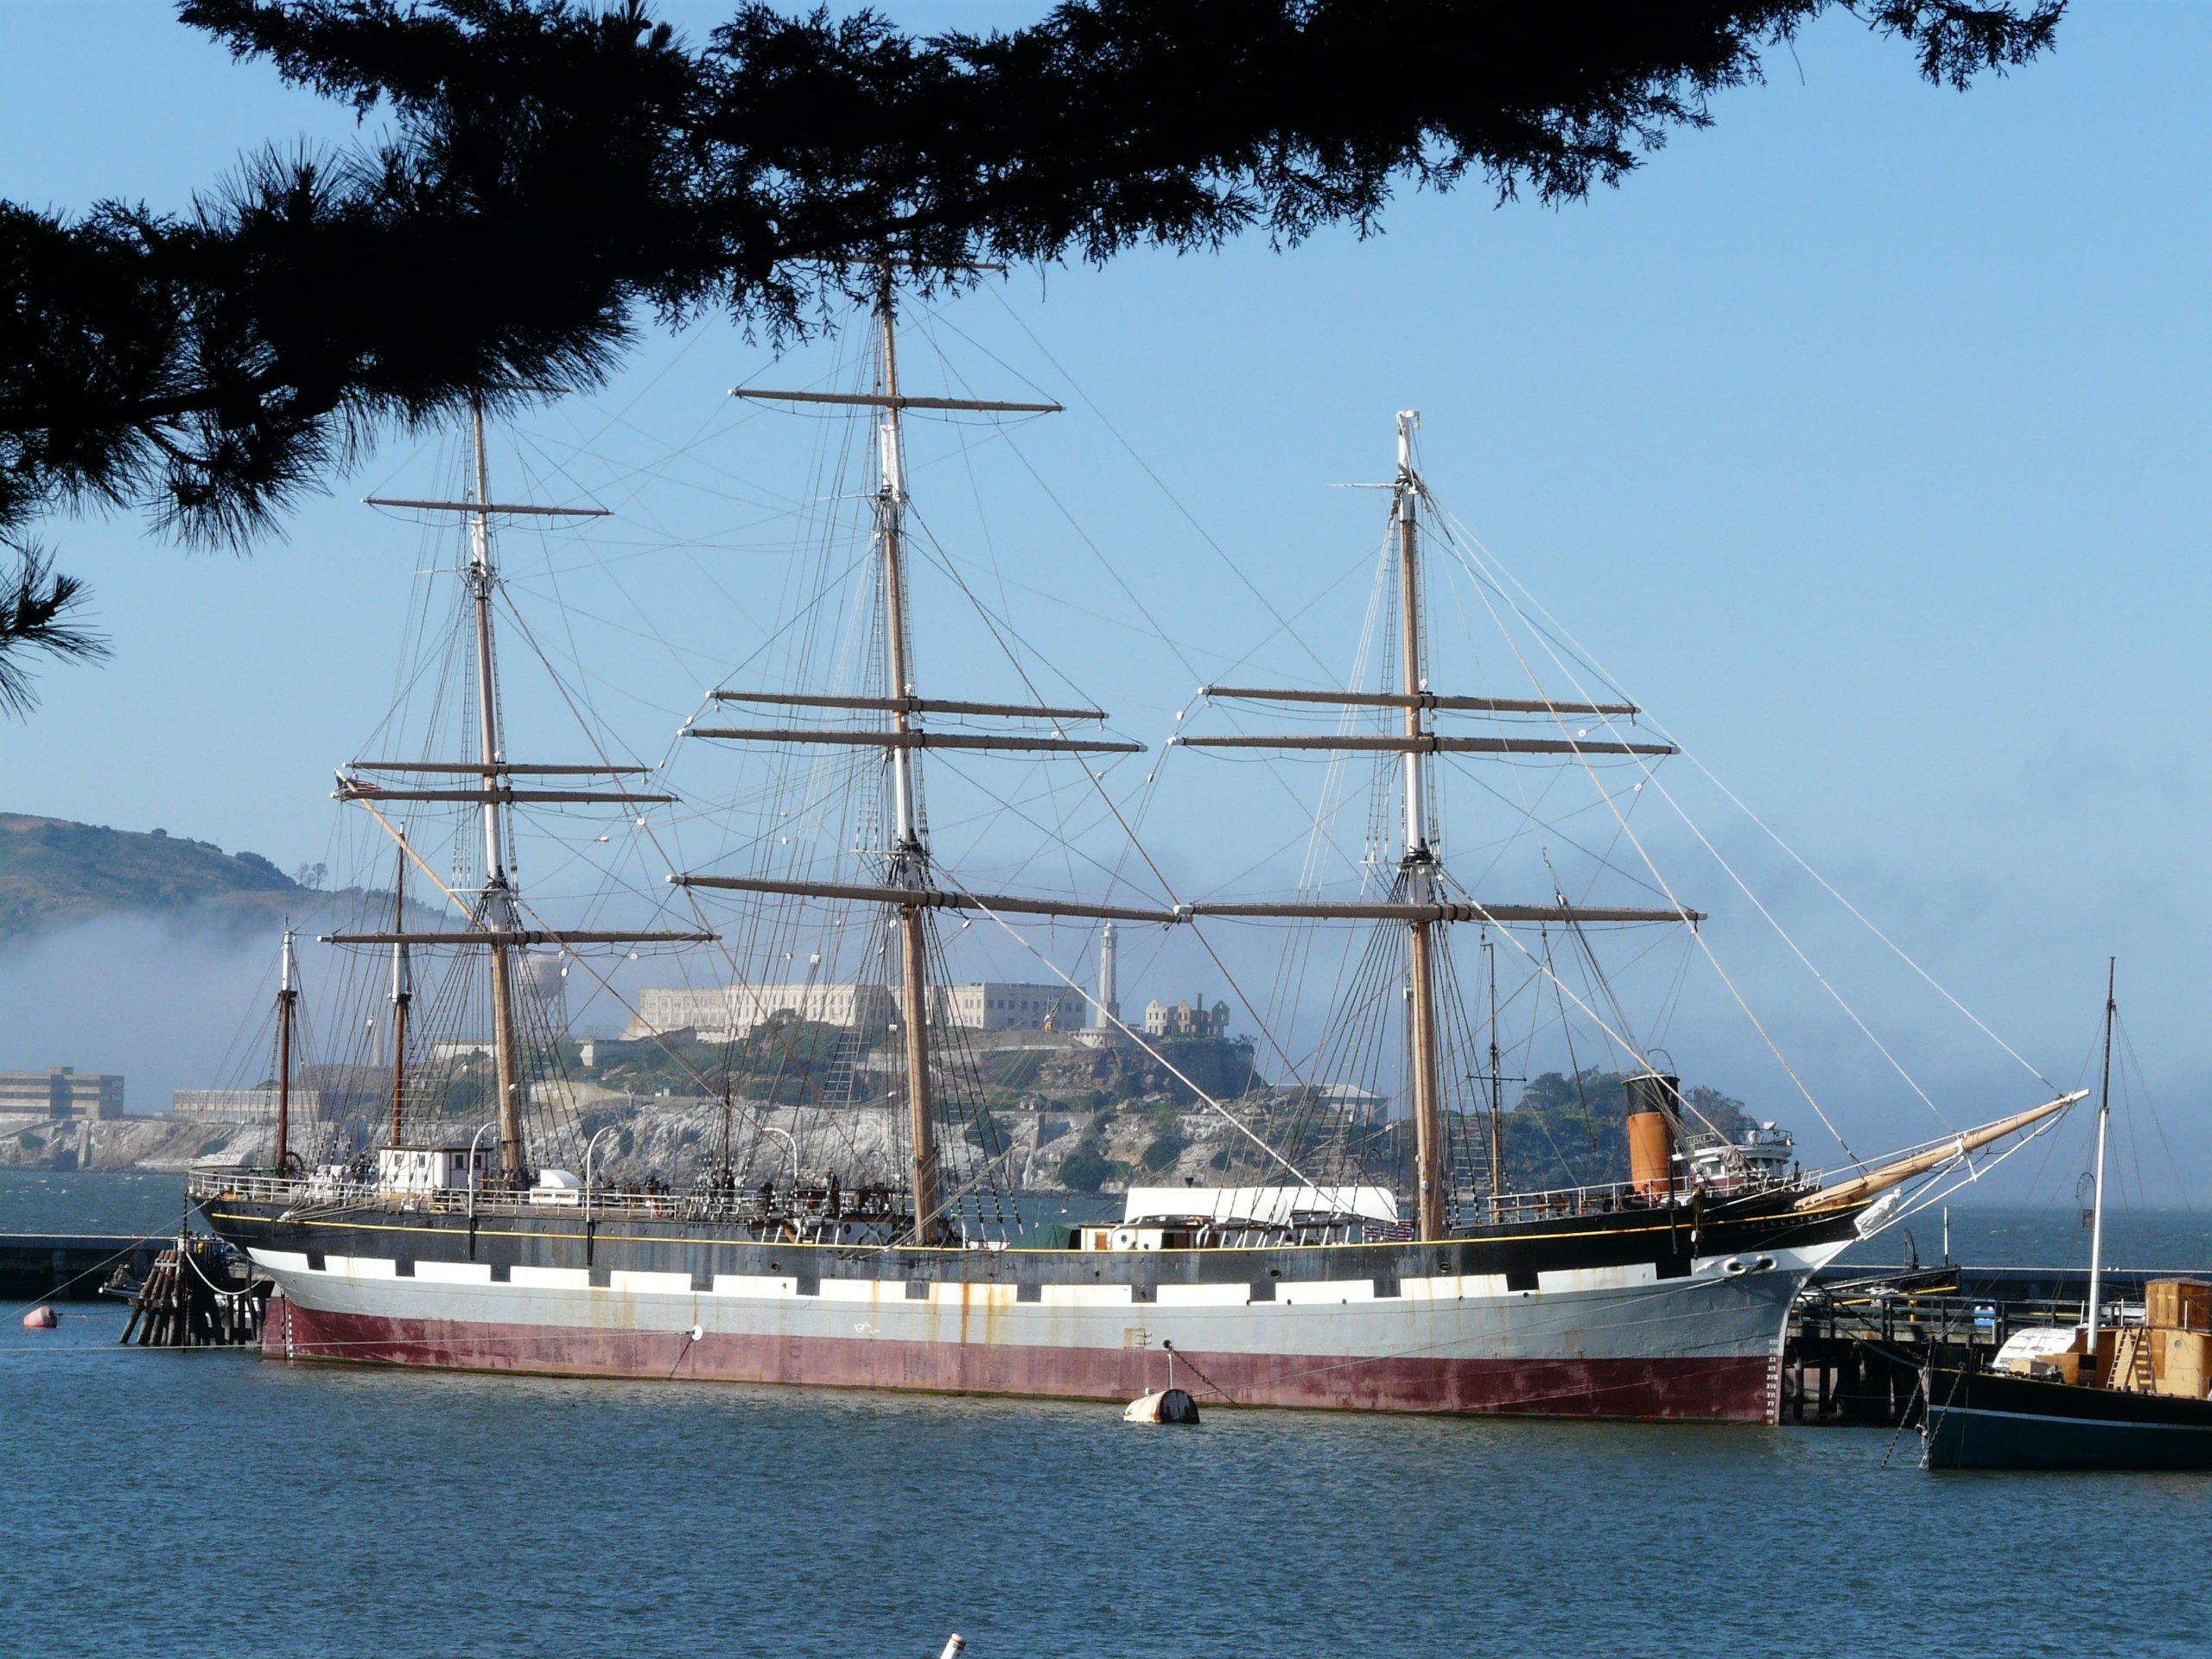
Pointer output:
x,y
40,1319
1168,1406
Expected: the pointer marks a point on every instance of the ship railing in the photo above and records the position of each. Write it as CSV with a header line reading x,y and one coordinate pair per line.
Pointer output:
x,y
312,1194
306,1196
1611,1198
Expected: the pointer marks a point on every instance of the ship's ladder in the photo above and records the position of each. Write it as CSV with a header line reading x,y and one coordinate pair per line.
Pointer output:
x,y
2131,1371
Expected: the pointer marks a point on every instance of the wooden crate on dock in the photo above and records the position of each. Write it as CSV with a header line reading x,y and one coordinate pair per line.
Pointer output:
x,y
2178,1304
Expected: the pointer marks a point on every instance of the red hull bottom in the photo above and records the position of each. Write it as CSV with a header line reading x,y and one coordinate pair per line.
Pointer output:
x,y
1723,1389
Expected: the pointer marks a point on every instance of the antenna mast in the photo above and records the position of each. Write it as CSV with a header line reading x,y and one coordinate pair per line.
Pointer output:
x,y
287,994
1418,867
2104,1120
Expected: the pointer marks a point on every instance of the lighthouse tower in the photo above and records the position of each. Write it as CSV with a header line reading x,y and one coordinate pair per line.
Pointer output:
x,y
1106,1007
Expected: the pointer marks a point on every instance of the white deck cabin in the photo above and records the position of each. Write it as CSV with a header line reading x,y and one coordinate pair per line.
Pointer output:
x,y
1184,1217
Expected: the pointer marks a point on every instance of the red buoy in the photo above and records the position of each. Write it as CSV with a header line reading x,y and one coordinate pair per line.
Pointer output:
x,y
40,1319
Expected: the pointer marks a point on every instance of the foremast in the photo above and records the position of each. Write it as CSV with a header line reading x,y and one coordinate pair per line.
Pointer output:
x,y
1419,897
402,991
495,920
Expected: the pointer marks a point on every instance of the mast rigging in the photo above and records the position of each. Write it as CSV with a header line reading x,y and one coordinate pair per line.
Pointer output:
x,y
911,887
1418,898
909,857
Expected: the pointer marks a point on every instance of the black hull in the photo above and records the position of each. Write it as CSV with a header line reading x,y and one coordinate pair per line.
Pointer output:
x,y
1637,1313
1668,1242
1986,1420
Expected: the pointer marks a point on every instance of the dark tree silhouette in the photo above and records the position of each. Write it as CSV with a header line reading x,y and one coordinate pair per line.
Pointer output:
x,y
553,174
36,614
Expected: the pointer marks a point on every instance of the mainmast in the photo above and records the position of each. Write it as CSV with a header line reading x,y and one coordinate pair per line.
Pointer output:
x,y
2104,1120
287,995
910,885
909,857
1417,868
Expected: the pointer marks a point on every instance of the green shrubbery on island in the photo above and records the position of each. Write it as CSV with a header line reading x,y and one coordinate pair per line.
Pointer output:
x,y
1573,1131
51,869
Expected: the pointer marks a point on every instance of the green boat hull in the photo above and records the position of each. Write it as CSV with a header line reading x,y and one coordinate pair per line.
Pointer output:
x,y
1980,1420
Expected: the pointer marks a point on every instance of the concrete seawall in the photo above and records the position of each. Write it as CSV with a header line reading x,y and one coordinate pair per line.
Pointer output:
x,y
69,1266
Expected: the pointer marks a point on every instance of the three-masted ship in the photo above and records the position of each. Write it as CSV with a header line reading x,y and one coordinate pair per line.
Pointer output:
x,y
1660,1295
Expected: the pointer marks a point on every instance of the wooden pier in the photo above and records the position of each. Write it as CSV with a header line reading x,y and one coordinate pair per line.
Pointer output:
x,y
199,1293
1858,1338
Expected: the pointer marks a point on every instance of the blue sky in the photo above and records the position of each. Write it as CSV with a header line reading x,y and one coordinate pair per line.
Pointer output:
x,y
1862,437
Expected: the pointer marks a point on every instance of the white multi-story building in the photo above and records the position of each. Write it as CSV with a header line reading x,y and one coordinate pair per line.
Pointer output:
x,y
242,1105
62,1091
994,1006
723,1013
727,1013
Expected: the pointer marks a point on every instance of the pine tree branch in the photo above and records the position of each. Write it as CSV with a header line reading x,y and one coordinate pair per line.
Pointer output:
x,y
37,614
554,173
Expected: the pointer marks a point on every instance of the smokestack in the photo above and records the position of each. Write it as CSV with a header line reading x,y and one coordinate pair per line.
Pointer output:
x,y
1654,1121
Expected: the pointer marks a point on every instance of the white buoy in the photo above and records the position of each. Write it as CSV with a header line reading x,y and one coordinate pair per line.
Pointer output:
x,y
1167,1406
955,1645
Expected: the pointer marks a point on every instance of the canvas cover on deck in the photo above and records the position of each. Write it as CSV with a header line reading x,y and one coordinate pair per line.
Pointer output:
x,y
1267,1206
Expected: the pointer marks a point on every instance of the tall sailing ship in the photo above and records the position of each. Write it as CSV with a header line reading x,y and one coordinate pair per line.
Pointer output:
x,y
1324,1281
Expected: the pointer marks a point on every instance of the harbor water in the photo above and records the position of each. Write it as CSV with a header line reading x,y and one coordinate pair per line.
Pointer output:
x,y
212,1503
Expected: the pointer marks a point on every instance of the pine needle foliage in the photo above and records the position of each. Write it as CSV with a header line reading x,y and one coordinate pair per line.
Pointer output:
x,y
547,176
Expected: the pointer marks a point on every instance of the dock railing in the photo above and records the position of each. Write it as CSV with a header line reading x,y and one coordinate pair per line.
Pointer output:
x,y
1917,1317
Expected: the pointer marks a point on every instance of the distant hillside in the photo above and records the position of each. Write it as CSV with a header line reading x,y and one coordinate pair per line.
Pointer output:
x,y
54,870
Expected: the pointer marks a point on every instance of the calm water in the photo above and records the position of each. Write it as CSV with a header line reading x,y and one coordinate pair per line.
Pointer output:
x,y
288,1510
2045,1238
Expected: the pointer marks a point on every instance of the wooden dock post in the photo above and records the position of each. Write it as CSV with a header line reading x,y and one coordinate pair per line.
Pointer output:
x,y
193,1297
